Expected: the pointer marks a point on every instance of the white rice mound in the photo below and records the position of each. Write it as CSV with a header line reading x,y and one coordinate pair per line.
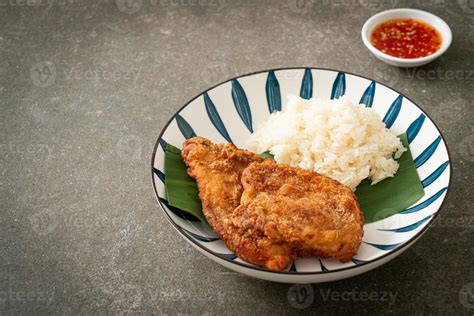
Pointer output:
x,y
336,138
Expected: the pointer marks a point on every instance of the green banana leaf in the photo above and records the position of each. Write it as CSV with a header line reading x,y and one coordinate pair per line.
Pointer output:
x,y
377,202
181,190
267,154
392,195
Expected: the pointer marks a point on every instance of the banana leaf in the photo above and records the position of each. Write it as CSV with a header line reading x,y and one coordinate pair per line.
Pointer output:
x,y
392,195
266,154
377,202
181,189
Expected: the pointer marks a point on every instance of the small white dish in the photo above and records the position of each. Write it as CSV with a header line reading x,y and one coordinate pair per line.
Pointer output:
x,y
424,16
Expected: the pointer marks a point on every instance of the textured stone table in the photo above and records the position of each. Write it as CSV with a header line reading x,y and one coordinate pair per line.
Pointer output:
x,y
85,88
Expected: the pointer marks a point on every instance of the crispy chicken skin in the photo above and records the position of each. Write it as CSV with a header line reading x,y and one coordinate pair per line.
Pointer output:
x,y
218,170
269,213
316,215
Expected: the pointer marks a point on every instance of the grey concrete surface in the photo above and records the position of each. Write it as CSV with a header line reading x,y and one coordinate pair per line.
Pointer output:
x,y
85,88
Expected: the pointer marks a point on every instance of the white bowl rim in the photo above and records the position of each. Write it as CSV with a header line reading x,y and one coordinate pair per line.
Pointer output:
x,y
446,36
398,250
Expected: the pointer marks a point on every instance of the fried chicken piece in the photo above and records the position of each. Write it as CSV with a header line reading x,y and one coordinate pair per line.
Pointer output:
x,y
218,170
315,215
268,213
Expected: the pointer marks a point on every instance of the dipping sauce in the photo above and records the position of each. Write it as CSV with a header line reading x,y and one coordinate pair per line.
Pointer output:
x,y
406,38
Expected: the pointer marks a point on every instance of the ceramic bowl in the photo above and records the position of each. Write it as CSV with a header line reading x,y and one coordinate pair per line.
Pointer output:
x,y
216,115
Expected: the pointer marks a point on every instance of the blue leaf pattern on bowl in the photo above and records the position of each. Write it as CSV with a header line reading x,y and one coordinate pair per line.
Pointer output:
x,y
306,91
181,214
368,96
293,267
242,104
415,127
435,175
163,143
339,86
199,237
184,127
358,262
425,203
159,174
427,153
384,247
408,228
215,118
228,256
393,112
272,89
323,268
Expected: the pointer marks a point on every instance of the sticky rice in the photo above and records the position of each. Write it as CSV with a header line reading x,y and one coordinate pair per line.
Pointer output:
x,y
345,141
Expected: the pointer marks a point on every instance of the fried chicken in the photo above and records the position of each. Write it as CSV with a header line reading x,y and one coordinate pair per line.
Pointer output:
x,y
218,170
269,213
316,215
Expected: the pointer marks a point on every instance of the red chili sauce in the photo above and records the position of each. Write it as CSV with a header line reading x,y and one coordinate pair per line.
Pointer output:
x,y
406,38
